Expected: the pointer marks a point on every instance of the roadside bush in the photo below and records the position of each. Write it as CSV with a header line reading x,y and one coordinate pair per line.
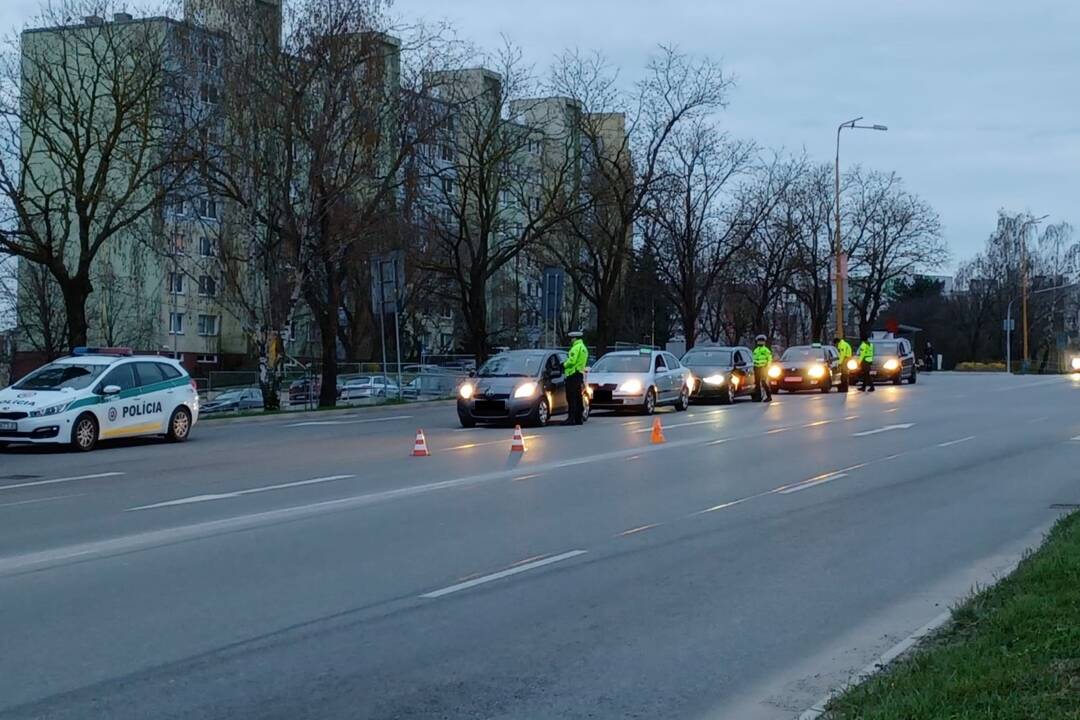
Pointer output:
x,y
980,367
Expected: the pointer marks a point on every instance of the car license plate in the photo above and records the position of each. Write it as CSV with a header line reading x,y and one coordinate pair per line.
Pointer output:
x,y
4,425
793,379
873,372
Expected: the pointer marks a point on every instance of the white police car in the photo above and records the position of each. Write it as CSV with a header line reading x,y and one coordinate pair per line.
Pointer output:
x,y
97,394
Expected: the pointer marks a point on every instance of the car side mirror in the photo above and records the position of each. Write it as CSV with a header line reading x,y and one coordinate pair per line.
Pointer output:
x,y
111,390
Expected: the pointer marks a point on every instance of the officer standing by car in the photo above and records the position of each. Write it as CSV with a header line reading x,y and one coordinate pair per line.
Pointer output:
x,y
843,350
762,360
866,359
574,370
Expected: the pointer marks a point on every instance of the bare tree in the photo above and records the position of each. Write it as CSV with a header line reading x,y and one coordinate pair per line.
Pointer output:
x,y
499,184
623,138
812,198
95,119
694,223
895,234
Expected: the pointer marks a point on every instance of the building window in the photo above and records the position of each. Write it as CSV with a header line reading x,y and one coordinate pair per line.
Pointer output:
x,y
206,247
209,55
174,205
504,197
536,205
176,323
206,359
176,283
208,208
207,286
447,185
208,325
179,244
446,217
446,152
208,93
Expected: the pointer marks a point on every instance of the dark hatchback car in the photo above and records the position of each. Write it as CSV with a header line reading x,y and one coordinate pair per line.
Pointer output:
x,y
721,373
518,386
807,367
894,361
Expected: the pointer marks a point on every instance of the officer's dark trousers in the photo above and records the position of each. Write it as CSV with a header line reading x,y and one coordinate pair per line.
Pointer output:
x,y
867,380
575,407
761,377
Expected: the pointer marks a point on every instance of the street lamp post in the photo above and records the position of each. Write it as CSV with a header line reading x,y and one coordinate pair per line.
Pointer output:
x,y
1024,280
1009,321
839,247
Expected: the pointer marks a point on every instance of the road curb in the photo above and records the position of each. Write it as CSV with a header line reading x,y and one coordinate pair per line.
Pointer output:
x,y
309,414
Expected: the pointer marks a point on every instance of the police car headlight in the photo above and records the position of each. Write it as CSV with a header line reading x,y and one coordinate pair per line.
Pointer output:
x,y
717,379
816,371
527,390
852,364
892,364
1075,363
631,387
466,391
46,412
774,372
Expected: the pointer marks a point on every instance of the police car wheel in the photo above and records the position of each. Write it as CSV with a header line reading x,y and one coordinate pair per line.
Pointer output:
x,y
179,425
84,434
914,377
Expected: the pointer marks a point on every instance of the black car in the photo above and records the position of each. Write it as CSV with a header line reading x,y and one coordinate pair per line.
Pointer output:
x,y
519,386
806,367
235,400
721,373
894,361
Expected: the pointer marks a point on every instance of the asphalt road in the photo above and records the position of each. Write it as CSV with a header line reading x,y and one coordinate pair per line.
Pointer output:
x,y
309,568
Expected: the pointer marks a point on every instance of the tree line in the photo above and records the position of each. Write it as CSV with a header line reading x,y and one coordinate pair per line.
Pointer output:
x,y
316,141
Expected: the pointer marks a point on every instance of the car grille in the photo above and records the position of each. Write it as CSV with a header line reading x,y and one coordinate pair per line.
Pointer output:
x,y
12,416
602,393
489,407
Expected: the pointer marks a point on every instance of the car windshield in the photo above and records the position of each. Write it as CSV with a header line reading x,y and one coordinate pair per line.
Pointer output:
x,y
623,363
512,365
707,357
804,353
886,348
229,396
61,376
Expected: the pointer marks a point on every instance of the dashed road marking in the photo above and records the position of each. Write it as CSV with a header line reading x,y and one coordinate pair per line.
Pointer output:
x,y
38,483
887,428
41,500
635,531
956,442
513,570
239,493
328,423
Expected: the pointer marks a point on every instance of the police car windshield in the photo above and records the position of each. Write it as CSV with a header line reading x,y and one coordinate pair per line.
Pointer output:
x,y
707,357
623,363
512,365
61,376
804,353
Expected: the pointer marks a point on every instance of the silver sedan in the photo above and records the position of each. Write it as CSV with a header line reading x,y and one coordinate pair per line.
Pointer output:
x,y
639,379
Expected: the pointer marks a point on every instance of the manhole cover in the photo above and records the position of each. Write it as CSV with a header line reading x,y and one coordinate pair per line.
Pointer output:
x,y
19,477
1065,506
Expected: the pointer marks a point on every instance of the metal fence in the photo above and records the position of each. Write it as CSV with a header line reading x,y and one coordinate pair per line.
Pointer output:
x,y
234,392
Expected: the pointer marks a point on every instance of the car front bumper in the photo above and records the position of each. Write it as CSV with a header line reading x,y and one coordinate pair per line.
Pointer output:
x,y
36,431
481,409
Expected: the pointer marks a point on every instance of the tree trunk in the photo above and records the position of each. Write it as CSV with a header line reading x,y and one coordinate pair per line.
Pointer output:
x,y
689,321
76,290
328,385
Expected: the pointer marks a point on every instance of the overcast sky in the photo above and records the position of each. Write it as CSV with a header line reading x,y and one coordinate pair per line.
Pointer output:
x,y
982,97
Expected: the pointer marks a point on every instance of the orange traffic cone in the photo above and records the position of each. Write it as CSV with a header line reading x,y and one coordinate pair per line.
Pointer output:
x,y
657,432
518,444
419,448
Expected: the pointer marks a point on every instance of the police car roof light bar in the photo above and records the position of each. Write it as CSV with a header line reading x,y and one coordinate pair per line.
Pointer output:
x,y
118,351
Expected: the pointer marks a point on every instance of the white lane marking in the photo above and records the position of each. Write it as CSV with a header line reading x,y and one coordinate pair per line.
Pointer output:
x,y
887,428
670,426
635,531
325,423
239,493
813,483
38,483
1044,418
724,506
40,500
956,442
1076,439
502,574
470,446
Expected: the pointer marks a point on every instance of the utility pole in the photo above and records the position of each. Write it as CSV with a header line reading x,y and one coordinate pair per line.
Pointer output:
x,y
1024,282
839,246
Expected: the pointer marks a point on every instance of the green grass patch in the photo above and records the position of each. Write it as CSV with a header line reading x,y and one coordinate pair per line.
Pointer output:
x,y
1012,651
980,367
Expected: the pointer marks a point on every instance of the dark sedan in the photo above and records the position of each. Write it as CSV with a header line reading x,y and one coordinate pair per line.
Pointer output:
x,y
721,373
894,361
806,367
518,386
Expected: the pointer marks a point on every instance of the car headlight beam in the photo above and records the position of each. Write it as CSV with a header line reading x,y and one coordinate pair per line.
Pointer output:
x,y
717,379
853,364
631,387
774,372
892,364
1075,363
816,372
466,391
527,390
